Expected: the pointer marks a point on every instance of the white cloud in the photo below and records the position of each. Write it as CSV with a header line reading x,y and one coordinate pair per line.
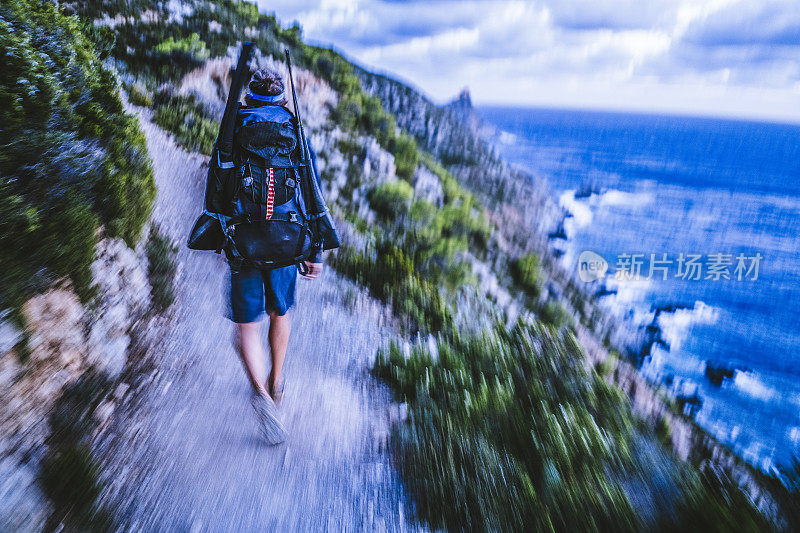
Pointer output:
x,y
739,57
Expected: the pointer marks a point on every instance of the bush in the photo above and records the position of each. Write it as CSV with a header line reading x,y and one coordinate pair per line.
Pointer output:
x,y
406,156
507,431
161,269
554,314
192,47
664,431
527,271
138,95
391,200
70,478
71,160
389,275
69,472
607,366
712,503
187,120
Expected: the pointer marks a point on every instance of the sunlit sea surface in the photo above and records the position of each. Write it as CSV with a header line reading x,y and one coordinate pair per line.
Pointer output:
x,y
646,184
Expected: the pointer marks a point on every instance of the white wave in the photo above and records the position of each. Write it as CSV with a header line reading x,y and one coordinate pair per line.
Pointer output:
x,y
751,385
794,434
627,199
676,326
507,138
582,209
663,362
581,212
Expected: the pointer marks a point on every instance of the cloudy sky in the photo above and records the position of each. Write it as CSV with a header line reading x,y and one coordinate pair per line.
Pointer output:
x,y
718,57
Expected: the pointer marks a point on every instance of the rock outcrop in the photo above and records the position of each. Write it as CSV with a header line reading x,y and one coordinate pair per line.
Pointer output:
x,y
65,339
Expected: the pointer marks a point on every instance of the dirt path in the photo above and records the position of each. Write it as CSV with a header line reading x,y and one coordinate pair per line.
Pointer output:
x,y
189,457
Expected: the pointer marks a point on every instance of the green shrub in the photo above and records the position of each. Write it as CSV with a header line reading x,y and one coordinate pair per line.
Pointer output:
x,y
527,271
389,274
714,504
192,46
71,160
406,156
69,473
161,269
664,431
70,477
554,314
187,120
607,366
391,199
507,431
138,95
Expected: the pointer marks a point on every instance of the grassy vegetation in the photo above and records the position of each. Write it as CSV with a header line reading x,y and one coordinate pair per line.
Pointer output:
x,y
391,200
161,269
528,273
508,431
389,274
414,262
664,431
138,95
188,120
712,503
70,159
70,473
191,47
554,314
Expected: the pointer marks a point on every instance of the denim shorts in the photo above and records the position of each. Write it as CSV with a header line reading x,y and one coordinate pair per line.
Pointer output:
x,y
254,292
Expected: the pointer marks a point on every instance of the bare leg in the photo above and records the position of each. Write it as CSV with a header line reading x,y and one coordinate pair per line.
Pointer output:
x,y
279,329
252,353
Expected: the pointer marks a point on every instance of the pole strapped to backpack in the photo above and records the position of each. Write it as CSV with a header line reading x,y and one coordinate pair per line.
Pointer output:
x,y
305,160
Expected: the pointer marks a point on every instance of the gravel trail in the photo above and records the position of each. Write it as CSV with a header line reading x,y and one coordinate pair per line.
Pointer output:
x,y
189,457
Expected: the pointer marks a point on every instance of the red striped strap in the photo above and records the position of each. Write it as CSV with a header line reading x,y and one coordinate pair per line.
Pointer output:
x,y
270,194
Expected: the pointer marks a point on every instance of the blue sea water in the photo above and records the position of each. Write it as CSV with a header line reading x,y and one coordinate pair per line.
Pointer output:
x,y
647,184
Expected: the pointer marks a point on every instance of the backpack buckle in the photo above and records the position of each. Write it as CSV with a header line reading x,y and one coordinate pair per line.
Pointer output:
x,y
292,216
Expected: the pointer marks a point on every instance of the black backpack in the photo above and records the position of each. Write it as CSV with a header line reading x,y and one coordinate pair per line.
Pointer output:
x,y
269,224
263,203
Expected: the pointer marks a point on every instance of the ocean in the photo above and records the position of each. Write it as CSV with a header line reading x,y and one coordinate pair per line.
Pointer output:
x,y
711,205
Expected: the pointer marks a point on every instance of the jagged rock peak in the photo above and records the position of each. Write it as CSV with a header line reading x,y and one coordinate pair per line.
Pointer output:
x,y
463,101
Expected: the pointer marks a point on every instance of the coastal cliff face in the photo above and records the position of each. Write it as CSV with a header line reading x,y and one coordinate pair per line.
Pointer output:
x,y
679,432
454,133
439,130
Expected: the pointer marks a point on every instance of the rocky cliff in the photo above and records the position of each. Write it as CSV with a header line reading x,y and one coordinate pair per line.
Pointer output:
x,y
65,340
451,133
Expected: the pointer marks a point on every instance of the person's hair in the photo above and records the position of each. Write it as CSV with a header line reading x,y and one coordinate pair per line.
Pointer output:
x,y
266,82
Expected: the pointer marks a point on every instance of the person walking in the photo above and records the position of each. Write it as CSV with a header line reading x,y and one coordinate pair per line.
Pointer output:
x,y
254,292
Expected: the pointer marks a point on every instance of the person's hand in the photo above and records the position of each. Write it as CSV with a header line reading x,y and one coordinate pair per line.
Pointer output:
x,y
314,270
